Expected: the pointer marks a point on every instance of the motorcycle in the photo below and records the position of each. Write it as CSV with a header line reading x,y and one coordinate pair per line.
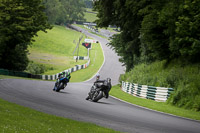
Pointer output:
x,y
96,93
61,84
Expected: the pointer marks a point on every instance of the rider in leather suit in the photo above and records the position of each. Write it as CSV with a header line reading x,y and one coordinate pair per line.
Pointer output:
x,y
98,83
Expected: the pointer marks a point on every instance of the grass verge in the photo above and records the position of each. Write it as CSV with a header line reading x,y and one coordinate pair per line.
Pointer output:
x,y
96,60
55,48
15,118
158,106
89,16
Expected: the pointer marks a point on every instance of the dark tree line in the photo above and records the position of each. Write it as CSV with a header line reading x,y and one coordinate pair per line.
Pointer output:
x,y
20,20
88,3
64,11
152,29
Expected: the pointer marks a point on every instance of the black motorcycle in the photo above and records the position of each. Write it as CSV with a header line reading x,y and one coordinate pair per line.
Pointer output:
x,y
96,93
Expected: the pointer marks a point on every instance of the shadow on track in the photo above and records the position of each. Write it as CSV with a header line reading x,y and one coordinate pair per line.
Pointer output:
x,y
63,92
104,103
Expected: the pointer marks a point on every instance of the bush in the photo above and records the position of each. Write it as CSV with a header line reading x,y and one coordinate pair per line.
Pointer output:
x,y
34,68
183,78
187,95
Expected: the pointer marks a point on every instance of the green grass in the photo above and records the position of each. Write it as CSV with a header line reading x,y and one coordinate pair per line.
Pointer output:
x,y
58,41
158,106
90,10
96,60
15,118
59,61
55,48
90,17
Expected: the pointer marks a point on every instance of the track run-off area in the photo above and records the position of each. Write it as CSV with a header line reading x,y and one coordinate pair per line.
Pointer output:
x,y
110,113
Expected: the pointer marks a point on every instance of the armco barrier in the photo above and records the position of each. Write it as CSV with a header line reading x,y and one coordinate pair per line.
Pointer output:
x,y
148,92
70,70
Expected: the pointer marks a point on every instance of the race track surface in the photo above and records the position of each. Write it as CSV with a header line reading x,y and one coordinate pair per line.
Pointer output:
x,y
111,113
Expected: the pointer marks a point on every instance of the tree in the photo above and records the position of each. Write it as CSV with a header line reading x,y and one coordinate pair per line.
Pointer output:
x,y
152,29
186,43
64,11
123,14
20,20
153,36
88,3
54,10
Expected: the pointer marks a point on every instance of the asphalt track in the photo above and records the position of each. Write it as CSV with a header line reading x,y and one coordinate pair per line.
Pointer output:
x,y
111,113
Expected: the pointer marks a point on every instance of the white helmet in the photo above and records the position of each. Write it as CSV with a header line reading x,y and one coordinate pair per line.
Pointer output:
x,y
97,76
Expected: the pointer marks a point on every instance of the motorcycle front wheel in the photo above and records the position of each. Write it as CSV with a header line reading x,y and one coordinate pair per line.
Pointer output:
x,y
59,86
97,95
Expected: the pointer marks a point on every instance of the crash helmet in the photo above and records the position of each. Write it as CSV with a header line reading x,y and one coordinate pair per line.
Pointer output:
x,y
97,76
63,73
109,80
60,74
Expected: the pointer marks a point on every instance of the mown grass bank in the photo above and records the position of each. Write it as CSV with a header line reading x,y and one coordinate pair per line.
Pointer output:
x,y
54,50
90,15
15,118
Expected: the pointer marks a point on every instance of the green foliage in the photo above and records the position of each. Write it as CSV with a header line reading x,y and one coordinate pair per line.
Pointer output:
x,y
64,11
187,94
88,3
187,40
184,79
152,30
123,14
20,20
35,68
17,59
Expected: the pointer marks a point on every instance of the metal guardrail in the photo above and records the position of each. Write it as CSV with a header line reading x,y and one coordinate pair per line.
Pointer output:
x,y
148,92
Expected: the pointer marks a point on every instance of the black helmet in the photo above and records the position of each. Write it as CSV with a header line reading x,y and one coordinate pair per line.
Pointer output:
x,y
108,80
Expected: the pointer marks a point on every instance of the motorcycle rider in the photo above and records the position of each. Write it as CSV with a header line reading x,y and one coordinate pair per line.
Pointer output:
x,y
97,76
101,83
106,83
61,75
